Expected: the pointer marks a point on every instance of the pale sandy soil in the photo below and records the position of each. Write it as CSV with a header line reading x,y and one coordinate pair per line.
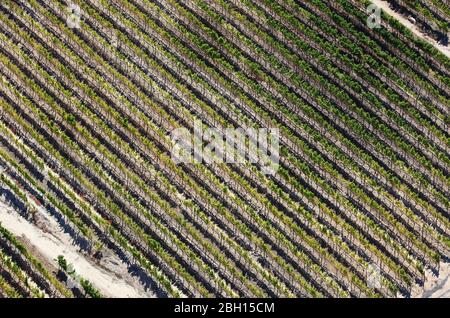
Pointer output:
x,y
436,287
385,6
48,240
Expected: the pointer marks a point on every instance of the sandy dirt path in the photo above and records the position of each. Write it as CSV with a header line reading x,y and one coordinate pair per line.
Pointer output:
x,y
385,6
437,287
110,276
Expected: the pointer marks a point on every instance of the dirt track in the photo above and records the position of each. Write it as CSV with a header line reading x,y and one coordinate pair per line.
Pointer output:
x,y
385,6
48,241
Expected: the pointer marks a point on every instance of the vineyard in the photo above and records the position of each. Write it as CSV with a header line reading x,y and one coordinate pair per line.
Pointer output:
x,y
91,91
